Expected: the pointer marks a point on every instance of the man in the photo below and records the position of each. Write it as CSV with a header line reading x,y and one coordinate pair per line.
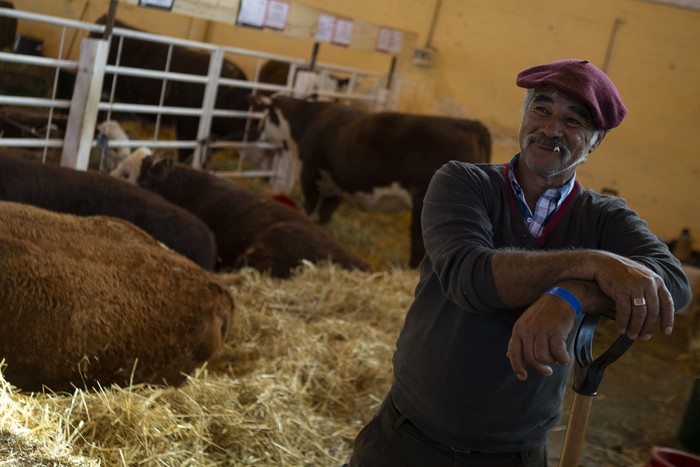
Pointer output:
x,y
515,253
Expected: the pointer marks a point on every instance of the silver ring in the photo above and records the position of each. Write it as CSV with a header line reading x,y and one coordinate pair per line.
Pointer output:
x,y
639,301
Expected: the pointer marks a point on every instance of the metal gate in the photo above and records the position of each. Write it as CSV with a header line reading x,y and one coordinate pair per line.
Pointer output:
x,y
39,117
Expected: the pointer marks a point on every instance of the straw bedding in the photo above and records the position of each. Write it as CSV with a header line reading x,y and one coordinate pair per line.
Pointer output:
x,y
307,363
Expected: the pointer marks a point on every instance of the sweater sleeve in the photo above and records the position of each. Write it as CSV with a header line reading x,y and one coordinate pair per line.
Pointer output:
x,y
464,201
628,235
458,235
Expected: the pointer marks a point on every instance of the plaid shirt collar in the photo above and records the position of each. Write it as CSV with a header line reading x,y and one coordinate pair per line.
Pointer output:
x,y
547,205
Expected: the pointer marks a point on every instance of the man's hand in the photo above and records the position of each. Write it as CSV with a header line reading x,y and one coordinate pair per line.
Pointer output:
x,y
539,336
640,297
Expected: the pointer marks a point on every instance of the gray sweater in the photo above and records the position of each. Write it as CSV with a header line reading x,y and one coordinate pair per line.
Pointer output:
x,y
452,378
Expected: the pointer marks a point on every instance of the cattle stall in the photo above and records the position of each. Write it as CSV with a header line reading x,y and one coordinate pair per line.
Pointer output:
x,y
37,91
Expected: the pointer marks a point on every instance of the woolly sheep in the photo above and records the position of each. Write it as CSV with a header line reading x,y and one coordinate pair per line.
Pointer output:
x,y
250,230
90,301
70,191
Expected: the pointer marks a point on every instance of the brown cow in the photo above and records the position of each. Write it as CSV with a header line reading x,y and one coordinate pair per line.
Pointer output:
x,y
385,155
149,55
8,27
95,301
72,191
250,230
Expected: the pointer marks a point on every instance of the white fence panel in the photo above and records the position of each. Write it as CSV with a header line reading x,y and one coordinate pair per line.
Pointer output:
x,y
51,100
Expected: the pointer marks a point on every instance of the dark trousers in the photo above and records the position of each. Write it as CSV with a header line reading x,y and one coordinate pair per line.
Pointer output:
x,y
391,440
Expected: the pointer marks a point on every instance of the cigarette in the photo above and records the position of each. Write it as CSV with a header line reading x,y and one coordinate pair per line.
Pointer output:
x,y
556,149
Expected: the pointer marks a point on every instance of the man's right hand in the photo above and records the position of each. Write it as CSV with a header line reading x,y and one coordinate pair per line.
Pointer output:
x,y
640,296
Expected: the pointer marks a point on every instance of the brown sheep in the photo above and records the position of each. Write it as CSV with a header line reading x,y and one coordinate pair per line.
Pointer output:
x,y
250,230
90,301
70,191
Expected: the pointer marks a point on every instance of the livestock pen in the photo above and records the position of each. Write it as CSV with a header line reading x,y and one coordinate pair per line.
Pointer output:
x,y
306,364
37,92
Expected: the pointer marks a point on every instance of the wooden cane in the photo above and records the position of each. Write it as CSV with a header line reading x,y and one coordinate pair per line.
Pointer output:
x,y
588,374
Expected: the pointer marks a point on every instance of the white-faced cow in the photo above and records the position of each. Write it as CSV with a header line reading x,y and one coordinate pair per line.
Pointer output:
x,y
95,301
341,151
137,53
250,230
72,191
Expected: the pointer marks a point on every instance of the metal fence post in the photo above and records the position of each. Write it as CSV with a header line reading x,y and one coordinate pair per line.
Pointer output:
x,y
82,116
208,103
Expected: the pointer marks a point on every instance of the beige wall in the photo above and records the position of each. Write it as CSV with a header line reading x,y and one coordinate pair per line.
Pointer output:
x,y
652,159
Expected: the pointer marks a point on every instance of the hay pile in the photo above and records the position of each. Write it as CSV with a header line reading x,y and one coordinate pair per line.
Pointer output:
x,y
307,363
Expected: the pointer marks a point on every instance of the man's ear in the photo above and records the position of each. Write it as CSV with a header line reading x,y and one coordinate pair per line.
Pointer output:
x,y
598,141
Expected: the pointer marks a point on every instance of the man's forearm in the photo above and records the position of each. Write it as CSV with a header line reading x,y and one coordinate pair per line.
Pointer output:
x,y
593,299
602,282
522,276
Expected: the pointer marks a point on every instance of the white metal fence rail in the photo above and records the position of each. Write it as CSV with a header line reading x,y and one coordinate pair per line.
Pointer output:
x,y
375,97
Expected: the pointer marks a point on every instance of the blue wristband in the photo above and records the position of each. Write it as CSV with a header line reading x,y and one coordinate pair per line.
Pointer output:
x,y
568,297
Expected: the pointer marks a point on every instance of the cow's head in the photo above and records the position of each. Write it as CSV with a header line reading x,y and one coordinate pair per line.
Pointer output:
x,y
273,127
154,169
130,168
143,167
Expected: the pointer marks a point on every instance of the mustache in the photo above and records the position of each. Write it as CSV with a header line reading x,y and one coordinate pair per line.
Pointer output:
x,y
551,142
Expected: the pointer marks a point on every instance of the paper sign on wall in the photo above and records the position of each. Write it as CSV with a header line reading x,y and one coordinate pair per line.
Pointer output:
x,y
324,28
342,31
276,14
263,13
252,13
383,39
167,4
396,41
389,40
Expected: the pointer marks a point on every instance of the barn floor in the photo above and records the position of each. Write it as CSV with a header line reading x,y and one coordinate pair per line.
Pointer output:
x,y
314,353
640,403
642,397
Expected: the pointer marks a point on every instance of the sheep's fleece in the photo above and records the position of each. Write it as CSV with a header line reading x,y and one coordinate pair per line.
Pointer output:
x,y
88,301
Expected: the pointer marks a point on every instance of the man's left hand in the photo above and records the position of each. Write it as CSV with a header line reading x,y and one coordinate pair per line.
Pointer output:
x,y
539,336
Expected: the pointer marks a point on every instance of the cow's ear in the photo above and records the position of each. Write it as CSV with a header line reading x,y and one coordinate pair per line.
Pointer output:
x,y
161,163
146,163
164,157
143,179
259,101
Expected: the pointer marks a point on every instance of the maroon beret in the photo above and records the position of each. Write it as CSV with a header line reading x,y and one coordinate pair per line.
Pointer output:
x,y
580,80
